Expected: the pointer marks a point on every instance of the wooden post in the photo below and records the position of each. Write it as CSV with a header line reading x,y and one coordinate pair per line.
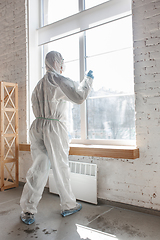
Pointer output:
x,y
17,139
9,145
2,136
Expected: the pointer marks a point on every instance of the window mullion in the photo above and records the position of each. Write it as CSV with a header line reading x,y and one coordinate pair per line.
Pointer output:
x,y
82,70
81,5
41,13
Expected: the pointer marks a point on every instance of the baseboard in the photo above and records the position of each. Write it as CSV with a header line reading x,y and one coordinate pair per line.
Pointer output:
x,y
129,207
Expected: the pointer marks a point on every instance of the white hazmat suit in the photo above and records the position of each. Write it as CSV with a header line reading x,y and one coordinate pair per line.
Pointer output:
x,y
49,136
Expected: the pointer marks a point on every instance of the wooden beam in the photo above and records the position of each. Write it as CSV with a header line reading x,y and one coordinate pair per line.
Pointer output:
x,y
105,151
24,147
124,152
2,136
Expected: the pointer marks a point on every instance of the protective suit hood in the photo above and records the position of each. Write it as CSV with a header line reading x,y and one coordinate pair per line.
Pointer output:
x,y
54,62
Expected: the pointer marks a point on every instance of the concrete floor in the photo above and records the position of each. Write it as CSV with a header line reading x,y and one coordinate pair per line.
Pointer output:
x,y
101,222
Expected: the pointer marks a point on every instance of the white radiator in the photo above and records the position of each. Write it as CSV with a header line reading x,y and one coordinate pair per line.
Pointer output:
x,y
83,181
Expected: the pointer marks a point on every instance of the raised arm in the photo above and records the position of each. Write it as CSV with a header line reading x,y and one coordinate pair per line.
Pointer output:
x,y
75,92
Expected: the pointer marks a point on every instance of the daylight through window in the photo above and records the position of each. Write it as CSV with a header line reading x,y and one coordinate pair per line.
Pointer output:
x,y
104,46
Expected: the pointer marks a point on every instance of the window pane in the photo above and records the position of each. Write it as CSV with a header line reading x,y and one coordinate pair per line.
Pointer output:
x,y
112,71
111,117
110,37
110,106
92,3
69,48
54,10
74,119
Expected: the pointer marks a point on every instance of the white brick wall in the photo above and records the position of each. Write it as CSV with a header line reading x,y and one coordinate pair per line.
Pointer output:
x,y
13,53
129,181
146,35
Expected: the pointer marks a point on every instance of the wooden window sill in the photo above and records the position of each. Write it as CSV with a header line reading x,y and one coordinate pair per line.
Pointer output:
x,y
124,152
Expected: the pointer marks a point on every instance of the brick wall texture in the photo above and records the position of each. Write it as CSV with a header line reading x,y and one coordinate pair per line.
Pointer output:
x,y
133,182
13,52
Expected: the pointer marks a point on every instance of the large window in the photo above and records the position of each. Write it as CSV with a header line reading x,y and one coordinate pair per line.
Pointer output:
x,y
95,35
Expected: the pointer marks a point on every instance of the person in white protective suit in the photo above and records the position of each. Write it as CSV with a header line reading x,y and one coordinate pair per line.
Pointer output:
x,y
49,137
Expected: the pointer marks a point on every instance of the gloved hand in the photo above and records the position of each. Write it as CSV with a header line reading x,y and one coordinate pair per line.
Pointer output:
x,y
90,74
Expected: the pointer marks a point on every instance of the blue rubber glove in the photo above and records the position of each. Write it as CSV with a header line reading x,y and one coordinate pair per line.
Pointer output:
x,y
90,74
